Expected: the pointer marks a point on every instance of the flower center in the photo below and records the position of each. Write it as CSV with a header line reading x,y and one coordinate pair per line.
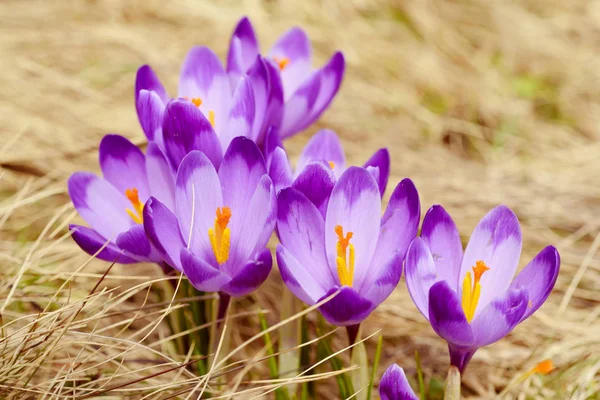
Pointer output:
x,y
472,290
281,62
137,214
345,257
220,235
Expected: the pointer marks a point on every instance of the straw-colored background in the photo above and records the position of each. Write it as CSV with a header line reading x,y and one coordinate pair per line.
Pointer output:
x,y
480,103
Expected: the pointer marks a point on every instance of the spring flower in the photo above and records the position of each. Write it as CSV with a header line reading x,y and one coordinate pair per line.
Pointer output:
x,y
113,206
218,232
471,299
395,386
350,249
245,108
321,162
307,93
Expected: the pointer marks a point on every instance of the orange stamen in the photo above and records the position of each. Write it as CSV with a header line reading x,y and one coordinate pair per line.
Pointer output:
x,y
137,214
544,367
331,164
281,62
478,270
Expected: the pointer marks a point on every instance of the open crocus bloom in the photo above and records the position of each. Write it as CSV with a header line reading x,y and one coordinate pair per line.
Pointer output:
x,y
218,232
471,299
246,108
307,92
351,249
395,386
113,206
321,162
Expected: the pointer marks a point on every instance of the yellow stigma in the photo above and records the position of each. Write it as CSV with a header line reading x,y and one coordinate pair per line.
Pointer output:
x,y
211,118
281,62
220,235
137,214
331,164
345,265
472,290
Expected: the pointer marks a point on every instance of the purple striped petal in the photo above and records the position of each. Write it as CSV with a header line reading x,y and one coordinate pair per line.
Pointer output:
x,y
280,170
323,146
499,317
300,227
275,104
316,182
151,109
395,386
420,274
380,160
197,197
162,229
243,49
162,182
91,242
346,308
355,205
202,275
146,79
251,276
312,98
241,114
538,278
447,317
386,280
441,236
299,279
293,46
135,242
100,204
202,76
123,165
186,129
496,241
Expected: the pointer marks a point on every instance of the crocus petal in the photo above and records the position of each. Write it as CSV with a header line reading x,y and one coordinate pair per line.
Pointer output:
x,y
186,129
447,316
383,284
380,160
100,204
135,242
312,98
538,277
300,227
243,49
323,146
499,317
280,170
395,386
162,181
496,241
268,98
151,109
241,114
355,205
346,308
298,278
251,276
275,104
294,47
441,236
316,182
202,275
146,79
162,229
197,197
420,274
123,165
90,242
203,76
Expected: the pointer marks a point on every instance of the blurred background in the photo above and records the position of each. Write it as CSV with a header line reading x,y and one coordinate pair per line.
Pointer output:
x,y
479,102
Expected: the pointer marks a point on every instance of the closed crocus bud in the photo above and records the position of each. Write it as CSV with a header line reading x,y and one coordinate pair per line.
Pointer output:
x,y
395,386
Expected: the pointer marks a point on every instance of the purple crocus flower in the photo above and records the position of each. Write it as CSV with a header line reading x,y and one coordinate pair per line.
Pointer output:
x,y
471,299
321,162
307,92
246,108
350,249
218,232
395,386
113,205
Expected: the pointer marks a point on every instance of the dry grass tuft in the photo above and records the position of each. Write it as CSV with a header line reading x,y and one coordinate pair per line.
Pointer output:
x,y
479,102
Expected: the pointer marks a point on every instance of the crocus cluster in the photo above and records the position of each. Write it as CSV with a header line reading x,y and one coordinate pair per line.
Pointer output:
x,y
215,182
